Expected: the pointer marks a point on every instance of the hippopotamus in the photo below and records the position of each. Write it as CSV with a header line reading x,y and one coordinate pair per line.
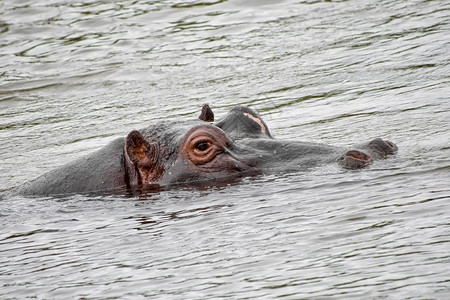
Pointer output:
x,y
173,152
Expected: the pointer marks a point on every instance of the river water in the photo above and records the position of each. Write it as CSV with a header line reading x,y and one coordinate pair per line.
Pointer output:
x,y
75,75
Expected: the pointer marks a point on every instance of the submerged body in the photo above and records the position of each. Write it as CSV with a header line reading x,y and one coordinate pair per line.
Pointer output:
x,y
177,152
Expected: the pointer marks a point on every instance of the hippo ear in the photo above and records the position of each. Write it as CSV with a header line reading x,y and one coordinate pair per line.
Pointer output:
x,y
138,150
207,114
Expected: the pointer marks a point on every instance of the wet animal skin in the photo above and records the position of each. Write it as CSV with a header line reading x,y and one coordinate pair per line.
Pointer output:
x,y
176,152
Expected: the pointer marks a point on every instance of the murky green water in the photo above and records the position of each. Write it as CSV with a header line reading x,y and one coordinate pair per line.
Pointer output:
x,y
76,75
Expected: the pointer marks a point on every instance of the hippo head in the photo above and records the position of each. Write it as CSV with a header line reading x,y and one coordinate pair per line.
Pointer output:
x,y
202,151
172,152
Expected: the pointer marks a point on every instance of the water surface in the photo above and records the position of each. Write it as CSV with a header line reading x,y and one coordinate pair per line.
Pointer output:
x,y
76,75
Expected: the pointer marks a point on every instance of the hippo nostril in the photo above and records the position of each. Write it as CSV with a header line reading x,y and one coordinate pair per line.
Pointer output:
x,y
358,155
392,146
354,159
379,148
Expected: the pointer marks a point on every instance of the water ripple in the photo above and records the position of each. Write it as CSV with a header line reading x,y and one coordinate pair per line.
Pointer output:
x,y
76,75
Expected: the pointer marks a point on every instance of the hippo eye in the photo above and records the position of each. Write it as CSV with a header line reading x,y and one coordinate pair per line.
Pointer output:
x,y
202,146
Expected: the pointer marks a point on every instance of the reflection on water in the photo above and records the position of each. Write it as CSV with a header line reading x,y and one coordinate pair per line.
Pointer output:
x,y
74,76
